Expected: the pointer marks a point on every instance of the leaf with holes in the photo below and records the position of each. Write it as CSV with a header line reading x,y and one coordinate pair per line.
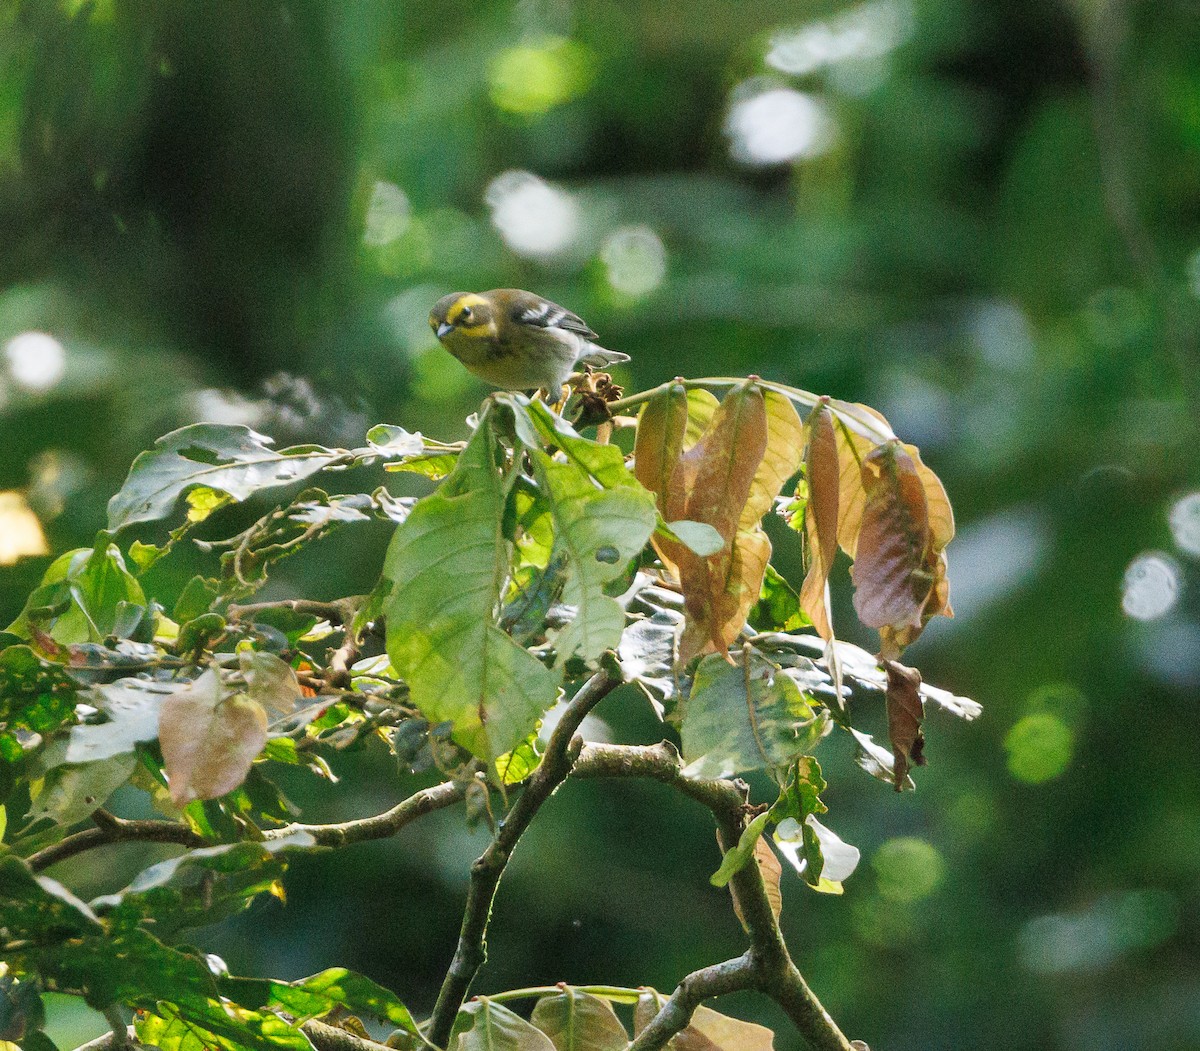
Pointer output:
x,y
597,532
230,460
449,563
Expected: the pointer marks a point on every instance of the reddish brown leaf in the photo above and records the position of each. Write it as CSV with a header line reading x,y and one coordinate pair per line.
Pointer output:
x,y
905,711
894,570
820,515
209,740
719,592
781,458
771,869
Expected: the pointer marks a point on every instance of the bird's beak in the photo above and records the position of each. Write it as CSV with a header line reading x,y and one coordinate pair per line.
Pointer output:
x,y
443,328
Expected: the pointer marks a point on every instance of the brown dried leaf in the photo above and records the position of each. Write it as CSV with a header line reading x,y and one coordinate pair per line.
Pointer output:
x,y
781,458
719,592
905,711
820,516
709,1030
941,514
208,740
893,573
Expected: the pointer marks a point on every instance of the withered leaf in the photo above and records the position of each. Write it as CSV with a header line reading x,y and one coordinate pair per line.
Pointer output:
x,y
893,572
905,712
820,516
659,442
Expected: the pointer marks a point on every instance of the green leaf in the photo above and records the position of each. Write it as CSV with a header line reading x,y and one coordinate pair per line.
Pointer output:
x,y
514,767
34,905
196,598
334,988
231,460
646,654
486,1026
576,1021
817,853
747,716
536,424
778,606
81,596
449,562
21,1011
598,532
698,537
205,1025
738,857
132,707
71,792
209,739
204,885
145,555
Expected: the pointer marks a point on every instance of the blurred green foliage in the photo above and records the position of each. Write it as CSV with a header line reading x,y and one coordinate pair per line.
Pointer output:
x,y
982,219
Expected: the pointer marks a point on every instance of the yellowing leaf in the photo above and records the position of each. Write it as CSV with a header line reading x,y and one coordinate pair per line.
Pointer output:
x,y
659,441
208,740
486,1026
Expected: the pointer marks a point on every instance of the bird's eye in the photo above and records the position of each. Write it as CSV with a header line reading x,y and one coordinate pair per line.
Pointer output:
x,y
464,318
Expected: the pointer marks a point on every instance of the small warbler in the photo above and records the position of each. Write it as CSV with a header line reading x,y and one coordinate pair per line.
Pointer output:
x,y
516,340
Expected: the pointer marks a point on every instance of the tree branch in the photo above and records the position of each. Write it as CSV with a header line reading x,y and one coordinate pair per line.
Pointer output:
x,y
767,966
111,829
324,1037
729,977
561,752
378,826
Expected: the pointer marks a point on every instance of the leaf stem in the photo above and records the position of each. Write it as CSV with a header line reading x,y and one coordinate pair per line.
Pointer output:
x,y
862,422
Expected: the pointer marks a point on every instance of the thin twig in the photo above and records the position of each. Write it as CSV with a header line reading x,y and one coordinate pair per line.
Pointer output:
x,y
561,752
338,612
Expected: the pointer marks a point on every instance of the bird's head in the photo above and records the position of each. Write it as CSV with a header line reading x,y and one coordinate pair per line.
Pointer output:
x,y
462,313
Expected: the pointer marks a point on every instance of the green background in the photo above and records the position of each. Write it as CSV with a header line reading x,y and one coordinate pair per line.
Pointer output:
x,y
982,219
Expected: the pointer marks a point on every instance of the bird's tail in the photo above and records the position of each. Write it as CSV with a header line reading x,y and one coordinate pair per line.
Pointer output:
x,y
598,357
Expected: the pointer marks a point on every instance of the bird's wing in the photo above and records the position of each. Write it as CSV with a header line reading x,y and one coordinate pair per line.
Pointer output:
x,y
528,309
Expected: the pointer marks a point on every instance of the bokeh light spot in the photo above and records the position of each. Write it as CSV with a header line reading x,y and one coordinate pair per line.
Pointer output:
x,y
773,125
907,869
1039,748
532,79
534,218
1151,586
20,531
36,361
388,215
869,31
1185,523
635,260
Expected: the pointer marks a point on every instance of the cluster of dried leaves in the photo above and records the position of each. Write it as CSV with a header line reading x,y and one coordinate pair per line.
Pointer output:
x,y
862,489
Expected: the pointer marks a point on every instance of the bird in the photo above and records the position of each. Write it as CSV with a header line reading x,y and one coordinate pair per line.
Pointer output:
x,y
516,340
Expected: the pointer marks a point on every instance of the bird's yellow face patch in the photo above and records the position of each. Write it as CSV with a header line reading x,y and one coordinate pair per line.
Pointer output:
x,y
470,314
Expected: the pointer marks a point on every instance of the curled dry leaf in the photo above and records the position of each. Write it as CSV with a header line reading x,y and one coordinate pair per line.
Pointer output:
x,y
900,570
905,712
727,479
820,516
